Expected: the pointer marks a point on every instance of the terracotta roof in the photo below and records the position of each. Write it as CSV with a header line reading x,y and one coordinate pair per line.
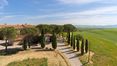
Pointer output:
x,y
17,26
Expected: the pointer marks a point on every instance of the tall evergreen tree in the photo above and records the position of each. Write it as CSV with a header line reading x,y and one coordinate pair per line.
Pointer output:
x,y
54,41
82,47
74,43
86,46
77,45
72,39
24,44
42,41
68,37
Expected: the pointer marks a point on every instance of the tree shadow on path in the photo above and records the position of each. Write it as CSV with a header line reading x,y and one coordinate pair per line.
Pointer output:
x,y
10,51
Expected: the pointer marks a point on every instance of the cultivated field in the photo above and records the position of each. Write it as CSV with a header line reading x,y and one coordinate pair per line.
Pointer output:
x,y
103,42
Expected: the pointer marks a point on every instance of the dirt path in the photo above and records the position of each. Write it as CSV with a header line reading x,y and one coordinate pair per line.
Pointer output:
x,y
70,54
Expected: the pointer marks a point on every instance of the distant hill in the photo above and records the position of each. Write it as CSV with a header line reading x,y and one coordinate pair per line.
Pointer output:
x,y
96,26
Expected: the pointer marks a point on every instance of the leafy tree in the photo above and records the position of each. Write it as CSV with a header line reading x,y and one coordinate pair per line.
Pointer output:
x,y
35,39
54,41
46,28
57,28
42,41
28,33
86,46
8,34
82,47
69,27
78,36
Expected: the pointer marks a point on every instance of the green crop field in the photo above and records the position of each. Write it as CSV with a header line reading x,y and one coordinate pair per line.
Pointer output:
x,y
103,42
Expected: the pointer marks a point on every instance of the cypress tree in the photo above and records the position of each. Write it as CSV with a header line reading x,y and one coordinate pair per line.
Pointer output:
x,y
86,46
82,47
77,45
72,39
54,41
68,37
74,46
42,39
25,44
29,41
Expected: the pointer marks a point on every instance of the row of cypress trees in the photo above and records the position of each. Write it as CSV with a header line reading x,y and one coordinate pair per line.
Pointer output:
x,y
42,41
78,42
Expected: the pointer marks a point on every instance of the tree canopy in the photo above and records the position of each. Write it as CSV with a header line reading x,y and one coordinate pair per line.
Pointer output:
x,y
8,32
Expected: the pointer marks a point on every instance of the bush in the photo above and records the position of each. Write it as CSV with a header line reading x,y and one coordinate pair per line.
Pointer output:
x,y
30,62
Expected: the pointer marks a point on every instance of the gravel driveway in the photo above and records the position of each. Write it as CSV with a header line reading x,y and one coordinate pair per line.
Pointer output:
x,y
70,54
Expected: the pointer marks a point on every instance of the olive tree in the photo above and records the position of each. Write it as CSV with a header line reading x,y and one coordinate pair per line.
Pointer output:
x,y
28,33
8,34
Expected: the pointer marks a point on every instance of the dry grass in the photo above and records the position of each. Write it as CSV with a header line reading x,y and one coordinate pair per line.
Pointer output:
x,y
53,58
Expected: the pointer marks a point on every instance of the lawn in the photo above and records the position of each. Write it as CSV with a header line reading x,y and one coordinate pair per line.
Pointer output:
x,y
103,42
30,62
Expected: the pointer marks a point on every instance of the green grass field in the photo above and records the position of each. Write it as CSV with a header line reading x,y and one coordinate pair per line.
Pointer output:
x,y
103,42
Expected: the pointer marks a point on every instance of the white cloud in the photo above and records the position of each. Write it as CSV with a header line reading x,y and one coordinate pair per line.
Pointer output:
x,y
87,1
77,1
95,20
87,13
3,3
99,11
6,17
97,16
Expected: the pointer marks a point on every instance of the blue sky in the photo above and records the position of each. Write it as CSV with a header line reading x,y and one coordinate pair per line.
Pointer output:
x,y
80,12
